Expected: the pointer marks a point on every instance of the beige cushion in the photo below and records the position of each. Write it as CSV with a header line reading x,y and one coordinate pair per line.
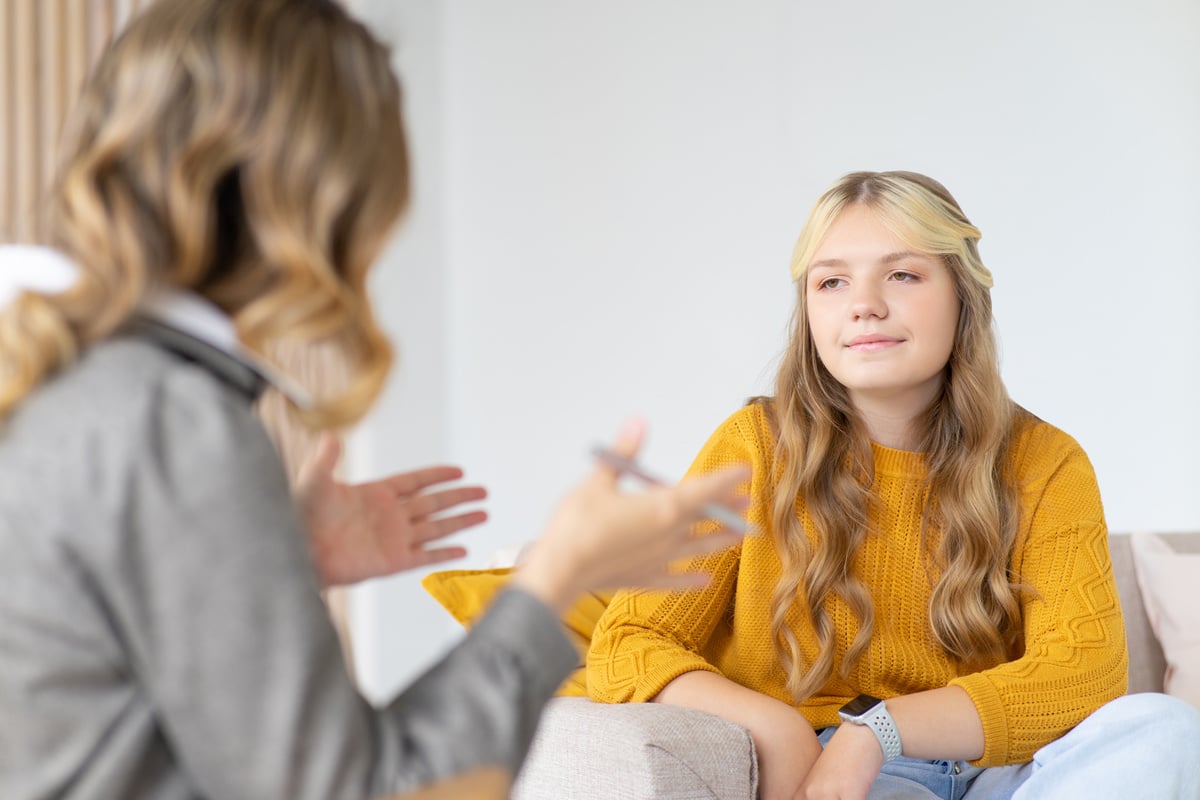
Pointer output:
x,y
1146,662
1169,587
634,751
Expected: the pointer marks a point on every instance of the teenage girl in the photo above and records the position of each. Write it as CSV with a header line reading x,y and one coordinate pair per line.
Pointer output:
x,y
931,611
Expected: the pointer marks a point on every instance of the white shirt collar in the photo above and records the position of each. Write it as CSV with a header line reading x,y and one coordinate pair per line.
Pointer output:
x,y
25,267
41,269
192,314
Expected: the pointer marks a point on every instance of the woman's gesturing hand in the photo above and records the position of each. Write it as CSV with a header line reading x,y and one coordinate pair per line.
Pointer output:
x,y
373,529
602,538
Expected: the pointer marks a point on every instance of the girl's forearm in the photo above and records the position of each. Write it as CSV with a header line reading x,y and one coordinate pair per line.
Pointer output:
x,y
938,724
785,742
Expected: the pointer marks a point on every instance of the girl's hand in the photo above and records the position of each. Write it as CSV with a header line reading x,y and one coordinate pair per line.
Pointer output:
x,y
847,767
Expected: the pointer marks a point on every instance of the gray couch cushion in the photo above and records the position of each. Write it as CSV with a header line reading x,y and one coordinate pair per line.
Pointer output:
x,y
637,750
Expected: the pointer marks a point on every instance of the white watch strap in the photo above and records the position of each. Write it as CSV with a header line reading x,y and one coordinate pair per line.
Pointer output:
x,y
880,721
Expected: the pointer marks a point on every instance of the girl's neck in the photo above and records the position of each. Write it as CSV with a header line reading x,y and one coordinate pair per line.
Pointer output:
x,y
894,433
891,420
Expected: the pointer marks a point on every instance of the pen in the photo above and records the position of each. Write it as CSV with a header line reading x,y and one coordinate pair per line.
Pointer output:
x,y
627,466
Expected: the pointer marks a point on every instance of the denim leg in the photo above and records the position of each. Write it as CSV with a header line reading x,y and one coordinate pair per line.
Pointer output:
x,y
999,783
1140,745
920,779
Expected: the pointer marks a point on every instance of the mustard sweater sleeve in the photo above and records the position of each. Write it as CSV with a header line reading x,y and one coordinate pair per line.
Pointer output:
x,y
1075,657
646,639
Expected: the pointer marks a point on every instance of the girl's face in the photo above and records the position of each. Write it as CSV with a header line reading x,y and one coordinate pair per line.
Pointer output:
x,y
883,317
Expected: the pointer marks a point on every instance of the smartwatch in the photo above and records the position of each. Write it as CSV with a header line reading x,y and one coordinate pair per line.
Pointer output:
x,y
872,712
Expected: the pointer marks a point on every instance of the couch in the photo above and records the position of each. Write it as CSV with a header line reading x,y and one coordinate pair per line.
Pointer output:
x,y
644,750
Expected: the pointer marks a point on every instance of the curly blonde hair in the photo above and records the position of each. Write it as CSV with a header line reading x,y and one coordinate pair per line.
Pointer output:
x,y
823,454
251,151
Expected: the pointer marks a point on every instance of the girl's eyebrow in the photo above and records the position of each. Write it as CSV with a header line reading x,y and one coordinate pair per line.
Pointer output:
x,y
890,258
902,255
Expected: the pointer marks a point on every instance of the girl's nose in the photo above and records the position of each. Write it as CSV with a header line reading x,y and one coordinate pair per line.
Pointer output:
x,y
867,301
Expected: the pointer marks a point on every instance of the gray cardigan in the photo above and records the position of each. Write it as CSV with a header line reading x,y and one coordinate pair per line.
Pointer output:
x,y
161,633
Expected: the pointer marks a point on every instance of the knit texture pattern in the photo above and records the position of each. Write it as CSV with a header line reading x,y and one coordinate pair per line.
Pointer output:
x,y
1074,657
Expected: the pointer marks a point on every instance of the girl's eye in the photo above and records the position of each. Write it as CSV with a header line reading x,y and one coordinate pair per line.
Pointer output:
x,y
904,277
830,283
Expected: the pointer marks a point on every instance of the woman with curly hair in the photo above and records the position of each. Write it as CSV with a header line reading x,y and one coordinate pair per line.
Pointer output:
x,y
231,172
931,611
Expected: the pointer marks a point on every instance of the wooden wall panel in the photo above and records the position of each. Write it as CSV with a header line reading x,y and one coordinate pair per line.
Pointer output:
x,y
8,189
46,48
25,116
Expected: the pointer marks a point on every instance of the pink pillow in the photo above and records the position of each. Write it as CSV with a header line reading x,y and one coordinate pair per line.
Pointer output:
x,y
1170,586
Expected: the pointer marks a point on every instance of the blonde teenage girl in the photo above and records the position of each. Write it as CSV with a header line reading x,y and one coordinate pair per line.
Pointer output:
x,y
931,611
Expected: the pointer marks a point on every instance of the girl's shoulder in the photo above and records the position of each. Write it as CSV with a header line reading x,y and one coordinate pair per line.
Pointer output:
x,y
1039,449
753,422
746,436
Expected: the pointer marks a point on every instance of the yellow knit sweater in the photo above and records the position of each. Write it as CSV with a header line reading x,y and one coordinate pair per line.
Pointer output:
x,y
1074,658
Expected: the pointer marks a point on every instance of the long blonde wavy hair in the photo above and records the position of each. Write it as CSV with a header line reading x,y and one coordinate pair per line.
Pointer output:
x,y
823,455
251,151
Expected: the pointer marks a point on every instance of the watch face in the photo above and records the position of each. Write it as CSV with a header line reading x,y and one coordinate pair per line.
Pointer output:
x,y
860,705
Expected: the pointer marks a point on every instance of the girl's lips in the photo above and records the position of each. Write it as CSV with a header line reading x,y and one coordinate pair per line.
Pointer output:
x,y
871,343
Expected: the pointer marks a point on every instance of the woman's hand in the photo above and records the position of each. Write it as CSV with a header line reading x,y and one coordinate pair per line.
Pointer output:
x,y
602,538
373,529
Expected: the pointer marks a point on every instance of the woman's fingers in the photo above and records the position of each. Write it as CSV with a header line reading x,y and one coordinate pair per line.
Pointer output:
x,y
603,538
425,558
404,484
629,439
427,504
708,543
434,529
719,488
625,446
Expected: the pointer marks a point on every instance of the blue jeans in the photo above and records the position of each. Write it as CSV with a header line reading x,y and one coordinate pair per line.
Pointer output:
x,y
1140,745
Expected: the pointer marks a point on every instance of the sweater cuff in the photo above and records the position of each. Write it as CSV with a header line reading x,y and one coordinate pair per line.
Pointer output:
x,y
988,703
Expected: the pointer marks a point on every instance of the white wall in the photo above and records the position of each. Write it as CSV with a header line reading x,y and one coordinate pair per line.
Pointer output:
x,y
607,196
398,628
